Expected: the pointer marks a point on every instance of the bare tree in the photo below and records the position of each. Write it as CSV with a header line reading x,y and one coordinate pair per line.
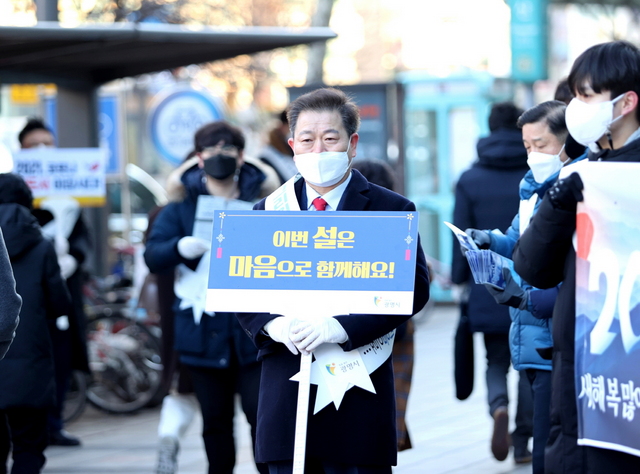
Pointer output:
x,y
317,51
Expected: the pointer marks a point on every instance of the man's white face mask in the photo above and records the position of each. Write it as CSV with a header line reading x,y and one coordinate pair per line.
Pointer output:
x,y
544,165
325,168
588,123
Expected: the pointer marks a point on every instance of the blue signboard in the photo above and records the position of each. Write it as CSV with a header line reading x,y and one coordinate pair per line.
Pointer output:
x,y
174,119
109,132
51,114
366,258
108,123
528,40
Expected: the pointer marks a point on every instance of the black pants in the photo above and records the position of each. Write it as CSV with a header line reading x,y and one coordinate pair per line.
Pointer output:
x,y
216,389
61,342
317,466
25,430
498,362
541,388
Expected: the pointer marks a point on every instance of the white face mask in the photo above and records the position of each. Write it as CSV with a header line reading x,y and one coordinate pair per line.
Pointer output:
x,y
543,165
587,123
323,169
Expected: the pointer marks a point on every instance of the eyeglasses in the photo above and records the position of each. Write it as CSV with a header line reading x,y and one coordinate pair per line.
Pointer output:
x,y
220,150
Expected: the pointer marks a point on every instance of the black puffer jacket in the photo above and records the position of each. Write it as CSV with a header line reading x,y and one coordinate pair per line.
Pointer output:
x,y
487,197
10,301
544,256
27,369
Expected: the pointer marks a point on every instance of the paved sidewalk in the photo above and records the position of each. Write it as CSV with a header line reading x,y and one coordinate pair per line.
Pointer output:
x,y
448,436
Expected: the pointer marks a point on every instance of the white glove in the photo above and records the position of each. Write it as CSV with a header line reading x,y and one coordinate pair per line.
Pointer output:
x,y
279,329
308,335
192,247
61,245
68,265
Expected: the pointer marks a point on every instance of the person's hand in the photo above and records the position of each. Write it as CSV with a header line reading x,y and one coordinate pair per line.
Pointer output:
x,y
279,329
480,237
308,335
68,265
512,295
192,247
566,193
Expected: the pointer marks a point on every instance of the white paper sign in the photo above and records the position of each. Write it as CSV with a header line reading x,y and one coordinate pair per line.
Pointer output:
x,y
64,172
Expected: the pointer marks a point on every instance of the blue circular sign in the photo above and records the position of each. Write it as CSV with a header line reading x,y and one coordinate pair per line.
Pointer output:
x,y
176,117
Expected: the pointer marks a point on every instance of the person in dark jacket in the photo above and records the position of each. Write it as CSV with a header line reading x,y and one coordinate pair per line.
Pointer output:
x,y
360,436
545,255
10,301
220,357
486,197
27,385
73,245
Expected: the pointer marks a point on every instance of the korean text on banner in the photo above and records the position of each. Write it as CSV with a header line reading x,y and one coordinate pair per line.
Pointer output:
x,y
364,259
77,173
608,306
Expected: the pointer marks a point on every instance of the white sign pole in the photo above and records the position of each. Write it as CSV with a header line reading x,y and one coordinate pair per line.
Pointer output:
x,y
302,414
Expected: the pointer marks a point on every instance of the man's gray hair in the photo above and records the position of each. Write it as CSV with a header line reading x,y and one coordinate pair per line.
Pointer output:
x,y
327,99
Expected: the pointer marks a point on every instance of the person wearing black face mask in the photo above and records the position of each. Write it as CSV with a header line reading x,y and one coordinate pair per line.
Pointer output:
x,y
219,357
220,166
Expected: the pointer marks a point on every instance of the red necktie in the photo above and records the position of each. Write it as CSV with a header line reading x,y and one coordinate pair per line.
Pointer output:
x,y
319,204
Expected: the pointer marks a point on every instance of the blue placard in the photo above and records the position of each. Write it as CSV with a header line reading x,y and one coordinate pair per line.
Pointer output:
x,y
109,132
367,257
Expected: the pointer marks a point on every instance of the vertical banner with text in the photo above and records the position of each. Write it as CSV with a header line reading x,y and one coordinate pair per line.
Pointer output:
x,y
608,306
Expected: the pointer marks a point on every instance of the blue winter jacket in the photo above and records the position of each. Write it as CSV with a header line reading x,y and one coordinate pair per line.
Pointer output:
x,y
217,340
530,328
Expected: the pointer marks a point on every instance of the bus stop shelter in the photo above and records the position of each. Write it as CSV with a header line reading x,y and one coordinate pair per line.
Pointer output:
x,y
79,60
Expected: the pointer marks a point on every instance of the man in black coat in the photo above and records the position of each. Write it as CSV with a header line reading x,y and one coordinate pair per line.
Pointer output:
x,y
487,197
605,77
359,437
27,385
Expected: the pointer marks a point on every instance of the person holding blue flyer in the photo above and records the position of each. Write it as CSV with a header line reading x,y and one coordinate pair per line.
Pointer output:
x,y
360,436
544,133
604,115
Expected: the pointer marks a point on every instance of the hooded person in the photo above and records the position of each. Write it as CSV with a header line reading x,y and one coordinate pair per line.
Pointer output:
x,y
487,197
27,385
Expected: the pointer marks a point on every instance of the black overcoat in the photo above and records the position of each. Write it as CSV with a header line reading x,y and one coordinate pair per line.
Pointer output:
x,y
487,198
363,430
27,369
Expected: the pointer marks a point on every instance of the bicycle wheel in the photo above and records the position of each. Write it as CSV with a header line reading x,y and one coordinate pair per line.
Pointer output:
x,y
76,397
125,361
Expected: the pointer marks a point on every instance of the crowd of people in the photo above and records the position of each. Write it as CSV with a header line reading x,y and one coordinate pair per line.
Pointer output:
x,y
511,201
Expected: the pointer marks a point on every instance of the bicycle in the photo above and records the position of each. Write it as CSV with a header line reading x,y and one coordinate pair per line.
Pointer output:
x,y
124,360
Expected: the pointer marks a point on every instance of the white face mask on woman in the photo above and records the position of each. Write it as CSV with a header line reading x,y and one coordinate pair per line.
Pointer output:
x,y
325,168
587,123
544,165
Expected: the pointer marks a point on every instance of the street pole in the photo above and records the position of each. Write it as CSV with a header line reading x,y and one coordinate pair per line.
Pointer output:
x,y
46,10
